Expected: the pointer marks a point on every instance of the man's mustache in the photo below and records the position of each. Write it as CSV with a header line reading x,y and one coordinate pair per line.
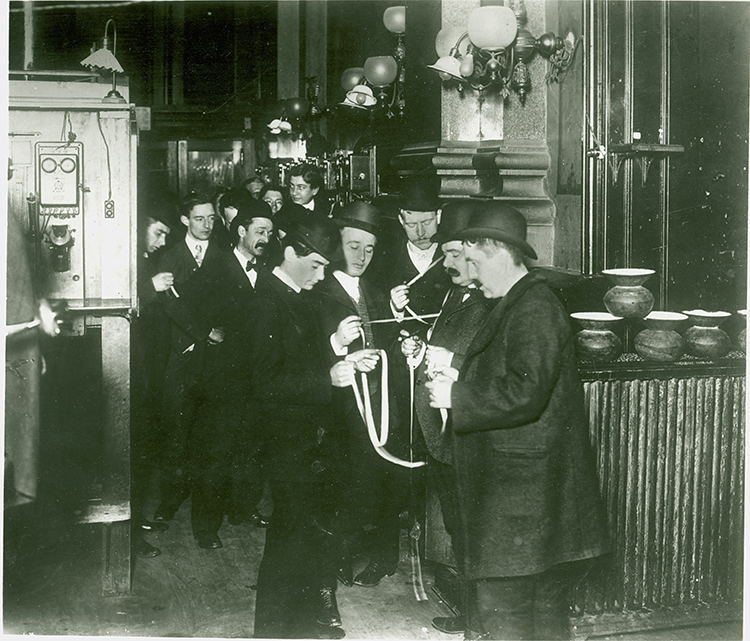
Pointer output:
x,y
452,272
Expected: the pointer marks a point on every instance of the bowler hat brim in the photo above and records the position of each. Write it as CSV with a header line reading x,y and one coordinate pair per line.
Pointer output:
x,y
357,224
496,234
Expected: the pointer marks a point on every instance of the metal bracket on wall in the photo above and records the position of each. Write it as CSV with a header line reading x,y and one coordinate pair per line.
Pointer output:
x,y
643,153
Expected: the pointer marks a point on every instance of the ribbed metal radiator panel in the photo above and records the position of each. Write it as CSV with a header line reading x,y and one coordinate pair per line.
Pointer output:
x,y
670,455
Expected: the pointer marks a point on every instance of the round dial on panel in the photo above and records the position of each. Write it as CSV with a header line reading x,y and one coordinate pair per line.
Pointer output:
x,y
49,165
68,165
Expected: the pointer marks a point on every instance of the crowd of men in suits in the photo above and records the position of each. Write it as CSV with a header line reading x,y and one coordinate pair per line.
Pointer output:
x,y
287,346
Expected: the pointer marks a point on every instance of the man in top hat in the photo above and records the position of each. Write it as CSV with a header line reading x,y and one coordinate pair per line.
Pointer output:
x,y
371,486
463,312
528,492
417,255
292,382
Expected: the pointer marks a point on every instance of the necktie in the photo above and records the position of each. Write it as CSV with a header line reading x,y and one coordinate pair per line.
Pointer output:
x,y
364,314
198,254
250,265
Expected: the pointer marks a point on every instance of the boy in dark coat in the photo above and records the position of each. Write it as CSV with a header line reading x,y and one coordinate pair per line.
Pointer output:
x,y
528,492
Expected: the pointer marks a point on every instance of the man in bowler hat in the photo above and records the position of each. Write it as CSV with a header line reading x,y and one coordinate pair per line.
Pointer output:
x,y
463,312
293,376
527,486
372,488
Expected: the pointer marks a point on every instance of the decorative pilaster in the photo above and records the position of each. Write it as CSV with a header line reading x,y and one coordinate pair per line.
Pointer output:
x,y
492,149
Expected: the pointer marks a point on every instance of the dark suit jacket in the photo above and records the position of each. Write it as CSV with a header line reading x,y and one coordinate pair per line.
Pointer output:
x,y
150,330
290,355
528,490
427,294
337,305
455,328
193,313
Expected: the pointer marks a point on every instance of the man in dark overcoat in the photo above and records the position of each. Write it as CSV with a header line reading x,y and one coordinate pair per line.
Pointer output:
x,y
372,489
528,491
463,312
292,383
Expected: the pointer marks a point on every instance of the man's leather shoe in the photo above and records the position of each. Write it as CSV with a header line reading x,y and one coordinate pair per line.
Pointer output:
x,y
209,541
164,513
371,575
153,526
330,632
328,609
145,550
258,520
344,572
450,625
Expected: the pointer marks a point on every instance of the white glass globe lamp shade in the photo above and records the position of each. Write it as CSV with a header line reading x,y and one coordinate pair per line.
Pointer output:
x,y
381,71
492,27
351,77
394,19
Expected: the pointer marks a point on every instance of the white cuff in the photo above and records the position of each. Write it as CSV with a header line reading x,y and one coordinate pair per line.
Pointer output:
x,y
398,315
339,350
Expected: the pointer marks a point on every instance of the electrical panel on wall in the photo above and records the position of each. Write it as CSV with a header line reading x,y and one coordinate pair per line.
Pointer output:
x,y
59,187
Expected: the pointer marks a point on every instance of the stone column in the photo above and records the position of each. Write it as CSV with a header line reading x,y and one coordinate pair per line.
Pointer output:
x,y
490,148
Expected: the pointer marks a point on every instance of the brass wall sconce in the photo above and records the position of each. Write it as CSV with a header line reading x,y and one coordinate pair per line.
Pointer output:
x,y
386,74
493,50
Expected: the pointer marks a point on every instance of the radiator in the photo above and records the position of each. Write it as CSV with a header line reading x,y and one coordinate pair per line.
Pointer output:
x,y
670,456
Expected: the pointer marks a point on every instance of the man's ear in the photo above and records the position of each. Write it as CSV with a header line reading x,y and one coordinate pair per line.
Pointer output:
x,y
315,191
185,220
289,253
438,214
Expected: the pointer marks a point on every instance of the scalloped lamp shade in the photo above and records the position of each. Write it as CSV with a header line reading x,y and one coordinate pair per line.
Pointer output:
x,y
381,71
361,96
448,66
492,27
103,59
352,77
394,19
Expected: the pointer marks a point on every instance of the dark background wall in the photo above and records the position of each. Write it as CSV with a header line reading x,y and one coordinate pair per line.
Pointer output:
x,y
682,67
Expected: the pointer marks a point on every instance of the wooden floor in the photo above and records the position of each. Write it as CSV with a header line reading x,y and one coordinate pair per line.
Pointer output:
x,y
52,587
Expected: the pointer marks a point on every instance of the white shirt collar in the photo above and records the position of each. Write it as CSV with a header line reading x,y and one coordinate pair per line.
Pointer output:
x,y
192,243
252,274
286,279
349,283
310,205
243,259
422,258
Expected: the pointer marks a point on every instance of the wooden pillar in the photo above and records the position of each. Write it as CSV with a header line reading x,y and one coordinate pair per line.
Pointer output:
x,y
177,37
316,46
288,49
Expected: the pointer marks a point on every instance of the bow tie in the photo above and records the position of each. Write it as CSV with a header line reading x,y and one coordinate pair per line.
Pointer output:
x,y
250,265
